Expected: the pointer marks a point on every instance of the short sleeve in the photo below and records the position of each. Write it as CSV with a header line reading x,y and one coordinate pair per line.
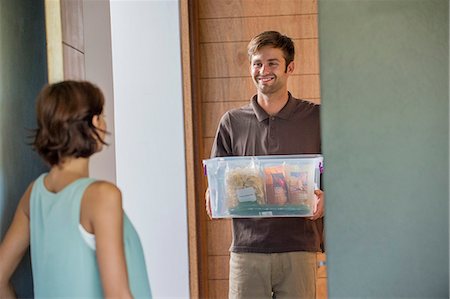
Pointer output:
x,y
222,141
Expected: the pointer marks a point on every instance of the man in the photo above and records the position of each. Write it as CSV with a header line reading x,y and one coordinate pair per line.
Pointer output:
x,y
272,257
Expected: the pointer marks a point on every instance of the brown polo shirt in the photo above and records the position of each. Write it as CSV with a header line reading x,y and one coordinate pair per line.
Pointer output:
x,y
250,131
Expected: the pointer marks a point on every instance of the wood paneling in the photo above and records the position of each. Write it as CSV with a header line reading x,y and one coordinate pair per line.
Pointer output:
x,y
321,288
238,89
221,60
223,82
245,8
306,87
73,63
72,23
72,39
219,266
321,284
243,29
216,110
219,237
198,276
207,146
322,268
218,289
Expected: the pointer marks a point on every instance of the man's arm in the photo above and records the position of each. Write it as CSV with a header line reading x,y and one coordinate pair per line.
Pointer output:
x,y
208,203
221,148
222,141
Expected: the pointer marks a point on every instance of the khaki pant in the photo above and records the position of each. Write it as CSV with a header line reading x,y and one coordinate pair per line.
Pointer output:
x,y
274,275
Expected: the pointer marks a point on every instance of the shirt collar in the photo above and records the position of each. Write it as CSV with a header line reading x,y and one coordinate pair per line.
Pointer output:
x,y
284,113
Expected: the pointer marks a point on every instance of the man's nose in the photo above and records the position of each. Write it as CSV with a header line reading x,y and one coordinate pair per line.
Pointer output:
x,y
264,70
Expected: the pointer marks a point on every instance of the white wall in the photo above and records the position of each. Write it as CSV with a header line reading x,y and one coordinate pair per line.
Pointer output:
x,y
148,130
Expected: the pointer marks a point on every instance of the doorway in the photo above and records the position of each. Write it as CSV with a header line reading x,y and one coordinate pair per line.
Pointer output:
x,y
216,78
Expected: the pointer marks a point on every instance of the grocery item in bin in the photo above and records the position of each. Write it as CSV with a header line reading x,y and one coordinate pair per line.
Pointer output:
x,y
244,185
263,186
276,185
299,185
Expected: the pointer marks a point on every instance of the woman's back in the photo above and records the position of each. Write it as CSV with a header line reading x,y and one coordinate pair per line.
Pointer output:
x,y
64,265
82,243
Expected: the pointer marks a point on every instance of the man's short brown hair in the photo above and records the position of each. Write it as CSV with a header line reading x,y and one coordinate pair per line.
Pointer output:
x,y
64,121
272,39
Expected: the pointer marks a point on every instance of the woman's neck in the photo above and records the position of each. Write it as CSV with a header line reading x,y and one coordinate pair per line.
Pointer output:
x,y
76,167
65,173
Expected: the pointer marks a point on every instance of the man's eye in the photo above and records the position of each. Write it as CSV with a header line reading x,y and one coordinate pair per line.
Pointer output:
x,y
257,64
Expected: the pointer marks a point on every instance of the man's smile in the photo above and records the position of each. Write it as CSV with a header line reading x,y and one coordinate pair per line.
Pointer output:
x,y
265,79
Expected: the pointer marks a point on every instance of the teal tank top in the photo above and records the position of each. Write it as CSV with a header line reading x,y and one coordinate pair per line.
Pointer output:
x,y
63,264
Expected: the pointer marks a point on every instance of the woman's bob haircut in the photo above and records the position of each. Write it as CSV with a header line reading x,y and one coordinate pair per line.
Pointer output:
x,y
64,113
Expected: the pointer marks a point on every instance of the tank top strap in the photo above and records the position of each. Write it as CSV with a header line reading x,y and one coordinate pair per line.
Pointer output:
x,y
39,183
82,184
77,190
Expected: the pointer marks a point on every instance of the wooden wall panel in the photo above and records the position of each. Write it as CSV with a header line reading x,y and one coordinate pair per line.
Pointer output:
x,y
216,110
219,237
305,87
322,268
218,289
72,23
207,145
321,284
231,60
321,288
243,29
224,29
219,266
73,39
238,89
73,63
230,9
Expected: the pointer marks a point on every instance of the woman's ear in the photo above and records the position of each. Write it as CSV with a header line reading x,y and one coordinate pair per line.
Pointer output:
x,y
96,121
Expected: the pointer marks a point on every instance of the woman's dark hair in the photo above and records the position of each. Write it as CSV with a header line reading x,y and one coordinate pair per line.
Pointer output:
x,y
64,121
273,39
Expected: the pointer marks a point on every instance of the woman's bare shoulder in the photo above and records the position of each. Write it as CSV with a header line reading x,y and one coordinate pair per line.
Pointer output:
x,y
24,203
103,194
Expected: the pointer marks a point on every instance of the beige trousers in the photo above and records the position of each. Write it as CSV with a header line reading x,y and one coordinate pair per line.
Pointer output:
x,y
273,275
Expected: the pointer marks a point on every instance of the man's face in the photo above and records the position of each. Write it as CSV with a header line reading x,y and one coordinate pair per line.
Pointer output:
x,y
268,70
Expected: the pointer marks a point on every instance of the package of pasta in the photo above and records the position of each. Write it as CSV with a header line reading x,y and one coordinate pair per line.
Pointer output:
x,y
244,185
263,186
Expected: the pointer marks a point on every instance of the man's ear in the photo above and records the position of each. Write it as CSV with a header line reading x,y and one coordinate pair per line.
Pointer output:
x,y
290,68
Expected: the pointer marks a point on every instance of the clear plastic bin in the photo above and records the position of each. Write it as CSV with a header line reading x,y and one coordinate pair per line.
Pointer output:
x,y
263,186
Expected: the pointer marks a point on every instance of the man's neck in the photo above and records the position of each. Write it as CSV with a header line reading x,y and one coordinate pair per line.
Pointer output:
x,y
273,103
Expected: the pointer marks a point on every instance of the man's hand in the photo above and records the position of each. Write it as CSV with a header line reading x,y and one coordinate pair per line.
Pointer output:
x,y
208,203
320,207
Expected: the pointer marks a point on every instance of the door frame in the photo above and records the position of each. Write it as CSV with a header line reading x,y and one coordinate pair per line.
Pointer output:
x,y
196,215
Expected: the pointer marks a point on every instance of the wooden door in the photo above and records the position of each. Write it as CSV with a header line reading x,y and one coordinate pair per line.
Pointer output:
x,y
218,79
65,40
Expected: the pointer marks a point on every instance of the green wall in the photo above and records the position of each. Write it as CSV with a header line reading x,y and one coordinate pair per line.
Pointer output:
x,y
385,92
22,75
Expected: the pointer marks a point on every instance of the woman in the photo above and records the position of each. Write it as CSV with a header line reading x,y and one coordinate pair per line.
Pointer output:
x,y
82,243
